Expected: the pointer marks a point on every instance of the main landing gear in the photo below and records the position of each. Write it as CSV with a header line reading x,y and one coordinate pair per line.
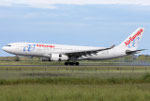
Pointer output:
x,y
72,63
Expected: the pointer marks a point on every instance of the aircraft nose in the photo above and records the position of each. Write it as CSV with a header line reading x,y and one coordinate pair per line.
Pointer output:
x,y
4,48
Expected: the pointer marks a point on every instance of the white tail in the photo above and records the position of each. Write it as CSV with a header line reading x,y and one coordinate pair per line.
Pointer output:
x,y
132,42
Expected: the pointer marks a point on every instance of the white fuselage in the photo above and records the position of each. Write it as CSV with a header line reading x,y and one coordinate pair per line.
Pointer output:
x,y
55,52
45,50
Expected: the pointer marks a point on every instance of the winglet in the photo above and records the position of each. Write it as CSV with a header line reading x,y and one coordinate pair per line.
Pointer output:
x,y
112,46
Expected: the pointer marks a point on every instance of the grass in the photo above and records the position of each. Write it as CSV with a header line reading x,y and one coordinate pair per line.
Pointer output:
x,y
77,81
60,92
29,63
23,72
76,89
125,83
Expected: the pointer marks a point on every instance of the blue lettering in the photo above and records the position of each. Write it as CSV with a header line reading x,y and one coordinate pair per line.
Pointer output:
x,y
29,47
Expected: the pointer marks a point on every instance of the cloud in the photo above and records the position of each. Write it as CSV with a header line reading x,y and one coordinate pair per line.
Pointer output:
x,y
52,3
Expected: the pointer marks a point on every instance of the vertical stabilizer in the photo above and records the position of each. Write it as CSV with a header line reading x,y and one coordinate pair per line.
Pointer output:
x,y
132,42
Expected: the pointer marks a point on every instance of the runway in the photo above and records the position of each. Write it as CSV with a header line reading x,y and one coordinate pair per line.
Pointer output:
x,y
71,66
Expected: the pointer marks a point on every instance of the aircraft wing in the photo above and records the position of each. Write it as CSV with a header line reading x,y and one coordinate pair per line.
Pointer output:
x,y
128,52
78,54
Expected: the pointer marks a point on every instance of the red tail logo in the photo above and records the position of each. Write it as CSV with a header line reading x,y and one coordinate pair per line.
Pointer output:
x,y
133,37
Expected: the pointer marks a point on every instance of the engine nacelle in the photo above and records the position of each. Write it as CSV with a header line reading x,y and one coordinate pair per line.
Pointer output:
x,y
58,57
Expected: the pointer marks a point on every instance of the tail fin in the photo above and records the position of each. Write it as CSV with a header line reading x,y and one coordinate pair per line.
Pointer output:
x,y
132,42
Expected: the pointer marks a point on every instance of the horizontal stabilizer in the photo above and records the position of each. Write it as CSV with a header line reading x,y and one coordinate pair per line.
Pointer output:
x,y
128,52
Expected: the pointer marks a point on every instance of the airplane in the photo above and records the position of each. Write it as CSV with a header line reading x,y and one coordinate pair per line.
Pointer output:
x,y
71,54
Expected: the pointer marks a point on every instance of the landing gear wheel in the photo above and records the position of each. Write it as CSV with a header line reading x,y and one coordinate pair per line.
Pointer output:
x,y
71,63
66,63
77,63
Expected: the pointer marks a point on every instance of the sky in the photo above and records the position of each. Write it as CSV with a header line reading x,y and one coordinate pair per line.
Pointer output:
x,y
101,23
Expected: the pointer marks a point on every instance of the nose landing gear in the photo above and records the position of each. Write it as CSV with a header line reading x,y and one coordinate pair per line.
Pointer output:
x,y
72,63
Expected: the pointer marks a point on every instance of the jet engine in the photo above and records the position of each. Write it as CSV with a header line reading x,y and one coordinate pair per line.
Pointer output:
x,y
55,57
58,57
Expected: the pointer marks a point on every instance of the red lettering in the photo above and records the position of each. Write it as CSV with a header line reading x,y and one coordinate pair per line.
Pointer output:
x,y
42,45
38,45
133,37
126,43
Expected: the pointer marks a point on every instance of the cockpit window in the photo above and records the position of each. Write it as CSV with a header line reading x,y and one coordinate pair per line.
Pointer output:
x,y
8,45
